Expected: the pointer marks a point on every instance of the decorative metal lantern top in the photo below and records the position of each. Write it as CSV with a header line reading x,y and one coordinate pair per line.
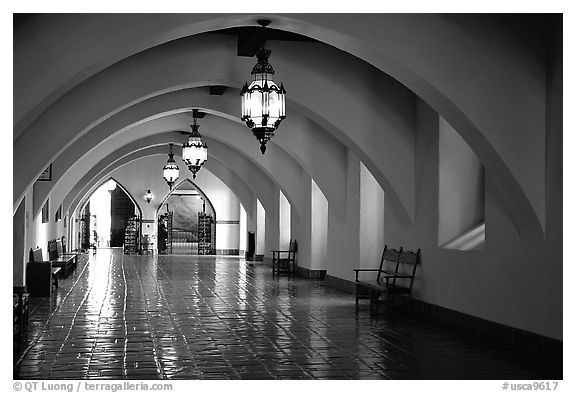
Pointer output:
x,y
263,102
194,152
148,196
170,170
110,185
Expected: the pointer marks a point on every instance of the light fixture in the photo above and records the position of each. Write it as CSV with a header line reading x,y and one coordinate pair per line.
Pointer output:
x,y
148,196
170,170
110,185
194,152
263,102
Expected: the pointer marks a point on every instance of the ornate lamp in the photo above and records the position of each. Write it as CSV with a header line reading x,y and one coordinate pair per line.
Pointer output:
x,y
263,102
170,170
194,152
110,185
148,196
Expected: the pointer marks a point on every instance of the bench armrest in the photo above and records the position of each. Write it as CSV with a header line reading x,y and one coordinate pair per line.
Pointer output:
x,y
396,275
366,270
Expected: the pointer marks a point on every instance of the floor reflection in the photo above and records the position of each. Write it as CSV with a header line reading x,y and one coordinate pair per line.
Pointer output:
x,y
206,317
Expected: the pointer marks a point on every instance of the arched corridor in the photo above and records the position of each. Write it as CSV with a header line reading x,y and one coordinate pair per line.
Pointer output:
x,y
440,133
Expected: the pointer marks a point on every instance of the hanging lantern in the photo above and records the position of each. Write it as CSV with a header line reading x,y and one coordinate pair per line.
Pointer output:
x,y
170,170
194,152
110,185
148,196
263,102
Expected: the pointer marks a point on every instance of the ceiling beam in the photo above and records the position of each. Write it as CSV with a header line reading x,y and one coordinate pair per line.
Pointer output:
x,y
218,90
249,41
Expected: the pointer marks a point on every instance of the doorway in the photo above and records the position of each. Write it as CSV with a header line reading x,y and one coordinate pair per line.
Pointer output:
x,y
187,222
104,217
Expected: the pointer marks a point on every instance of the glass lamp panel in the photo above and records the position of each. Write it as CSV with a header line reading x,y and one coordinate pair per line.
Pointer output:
x,y
282,108
259,102
171,173
274,106
265,101
187,153
197,154
246,104
204,153
254,107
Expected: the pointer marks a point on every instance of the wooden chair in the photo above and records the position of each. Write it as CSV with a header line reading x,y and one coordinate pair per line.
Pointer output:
x,y
284,260
365,285
400,282
395,276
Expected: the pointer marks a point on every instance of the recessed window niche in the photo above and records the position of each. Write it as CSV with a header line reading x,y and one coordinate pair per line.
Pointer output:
x,y
460,193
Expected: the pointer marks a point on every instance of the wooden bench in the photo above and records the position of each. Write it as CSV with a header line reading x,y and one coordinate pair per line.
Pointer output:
x,y
61,248
395,276
285,260
20,314
66,262
40,275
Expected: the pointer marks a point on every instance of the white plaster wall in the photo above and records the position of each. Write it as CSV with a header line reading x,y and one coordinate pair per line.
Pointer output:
x,y
18,245
371,232
496,283
461,185
260,228
227,236
30,226
271,224
319,228
243,230
343,240
227,208
284,222
41,239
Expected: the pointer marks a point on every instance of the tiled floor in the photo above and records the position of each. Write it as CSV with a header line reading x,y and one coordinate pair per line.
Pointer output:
x,y
184,317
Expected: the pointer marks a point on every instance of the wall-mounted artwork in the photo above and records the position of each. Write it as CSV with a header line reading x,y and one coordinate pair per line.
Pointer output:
x,y
46,175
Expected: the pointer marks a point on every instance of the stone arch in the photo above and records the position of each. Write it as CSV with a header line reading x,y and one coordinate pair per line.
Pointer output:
x,y
179,184
339,36
87,196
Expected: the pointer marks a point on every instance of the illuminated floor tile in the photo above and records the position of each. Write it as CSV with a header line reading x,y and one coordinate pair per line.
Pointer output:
x,y
184,317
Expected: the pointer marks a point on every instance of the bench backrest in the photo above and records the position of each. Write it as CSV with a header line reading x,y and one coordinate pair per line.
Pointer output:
x,y
406,267
59,248
52,249
63,243
388,262
293,246
36,255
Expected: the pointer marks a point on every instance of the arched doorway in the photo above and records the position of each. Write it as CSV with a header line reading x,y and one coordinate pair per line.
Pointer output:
x,y
103,217
186,222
